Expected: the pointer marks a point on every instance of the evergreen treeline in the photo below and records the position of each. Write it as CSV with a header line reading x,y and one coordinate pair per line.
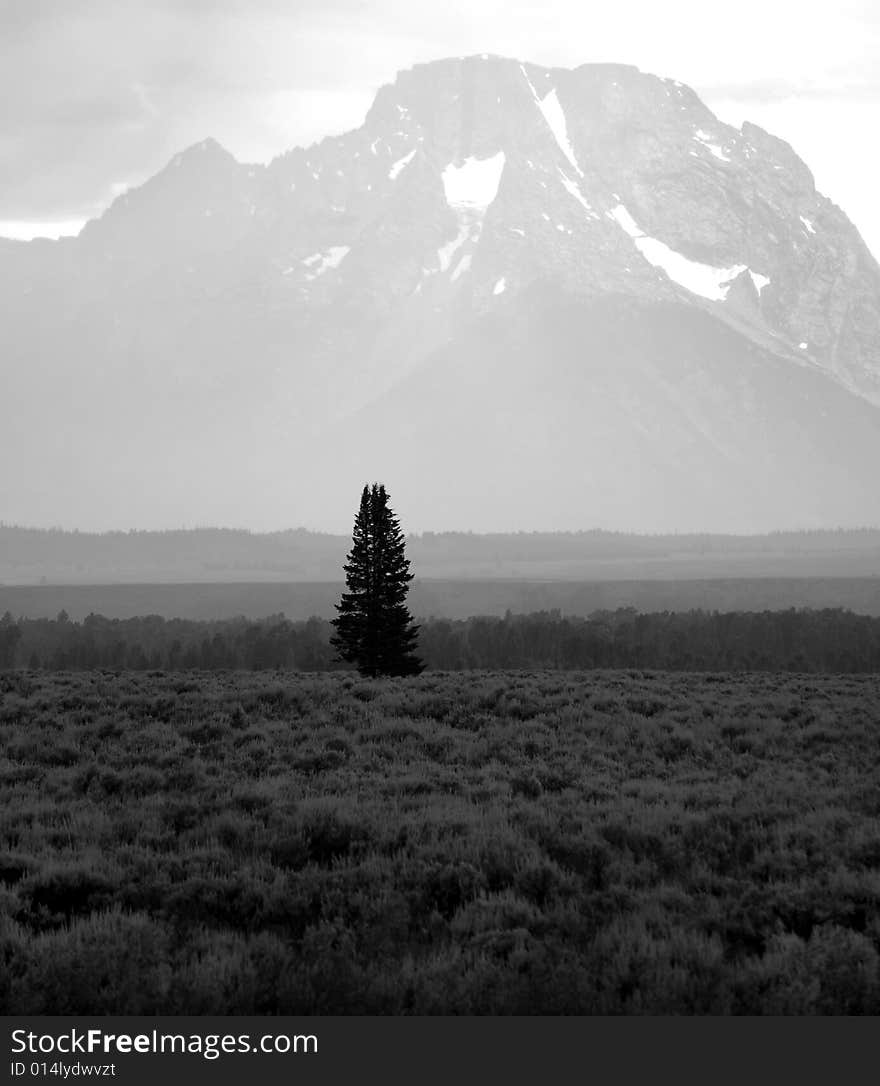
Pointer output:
x,y
831,640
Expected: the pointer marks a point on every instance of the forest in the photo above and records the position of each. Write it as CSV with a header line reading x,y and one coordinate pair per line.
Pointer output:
x,y
830,640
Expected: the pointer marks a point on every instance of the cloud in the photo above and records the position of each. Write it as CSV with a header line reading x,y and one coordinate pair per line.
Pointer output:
x,y
27,231
768,91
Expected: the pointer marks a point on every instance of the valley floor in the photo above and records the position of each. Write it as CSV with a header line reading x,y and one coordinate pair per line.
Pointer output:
x,y
474,843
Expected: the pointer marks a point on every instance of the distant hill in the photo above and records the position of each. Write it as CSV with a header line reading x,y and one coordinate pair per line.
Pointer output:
x,y
35,556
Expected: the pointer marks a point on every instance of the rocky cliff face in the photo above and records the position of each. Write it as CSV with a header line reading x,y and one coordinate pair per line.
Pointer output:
x,y
582,267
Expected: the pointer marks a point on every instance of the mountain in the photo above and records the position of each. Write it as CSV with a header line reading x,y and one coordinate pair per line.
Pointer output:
x,y
523,297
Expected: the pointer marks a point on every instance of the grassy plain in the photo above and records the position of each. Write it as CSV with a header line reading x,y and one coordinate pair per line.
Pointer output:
x,y
478,842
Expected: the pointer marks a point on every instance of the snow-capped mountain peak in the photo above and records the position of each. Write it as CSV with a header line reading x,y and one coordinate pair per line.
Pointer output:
x,y
669,281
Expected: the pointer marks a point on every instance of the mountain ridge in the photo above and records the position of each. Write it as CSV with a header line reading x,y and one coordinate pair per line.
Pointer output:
x,y
228,318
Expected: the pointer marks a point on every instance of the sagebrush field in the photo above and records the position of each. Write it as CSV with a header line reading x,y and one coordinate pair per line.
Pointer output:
x,y
480,842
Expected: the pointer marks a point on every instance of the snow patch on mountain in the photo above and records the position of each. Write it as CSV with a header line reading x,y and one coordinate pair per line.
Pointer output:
x,y
500,286
461,267
703,279
553,113
400,165
705,139
555,118
328,258
473,184
575,191
446,252
808,225
470,188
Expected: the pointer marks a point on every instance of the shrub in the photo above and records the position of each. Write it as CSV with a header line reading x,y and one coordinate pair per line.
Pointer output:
x,y
108,963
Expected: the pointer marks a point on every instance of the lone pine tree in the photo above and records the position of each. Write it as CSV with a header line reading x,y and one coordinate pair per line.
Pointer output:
x,y
374,629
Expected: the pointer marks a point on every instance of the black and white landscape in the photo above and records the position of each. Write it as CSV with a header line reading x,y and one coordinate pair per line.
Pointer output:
x,y
536,298
617,362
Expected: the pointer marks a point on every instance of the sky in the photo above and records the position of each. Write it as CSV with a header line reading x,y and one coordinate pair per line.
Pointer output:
x,y
99,94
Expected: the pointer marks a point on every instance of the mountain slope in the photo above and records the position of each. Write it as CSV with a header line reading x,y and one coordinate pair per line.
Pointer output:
x,y
525,297
667,418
